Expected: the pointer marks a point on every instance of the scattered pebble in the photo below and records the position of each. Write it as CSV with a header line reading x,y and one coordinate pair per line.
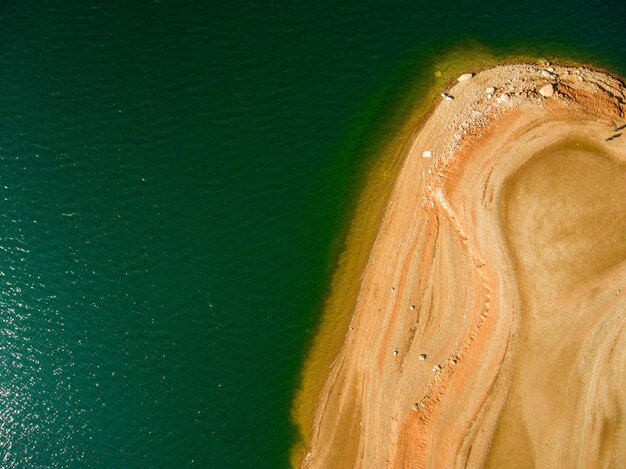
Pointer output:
x,y
427,154
423,356
547,91
395,353
436,368
465,76
490,90
504,98
447,96
412,307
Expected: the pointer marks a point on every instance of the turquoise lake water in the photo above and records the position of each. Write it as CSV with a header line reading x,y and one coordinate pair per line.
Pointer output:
x,y
175,179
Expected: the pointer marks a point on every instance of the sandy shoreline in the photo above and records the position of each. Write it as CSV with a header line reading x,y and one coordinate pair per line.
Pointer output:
x,y
455,319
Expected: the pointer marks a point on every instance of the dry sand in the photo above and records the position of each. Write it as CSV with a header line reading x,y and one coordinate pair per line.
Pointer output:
x,y
489,327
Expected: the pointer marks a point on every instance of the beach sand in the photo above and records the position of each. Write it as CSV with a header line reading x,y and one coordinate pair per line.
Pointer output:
x,y
489,325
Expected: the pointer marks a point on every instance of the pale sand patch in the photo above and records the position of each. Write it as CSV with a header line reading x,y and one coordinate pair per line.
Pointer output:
x,y
488,269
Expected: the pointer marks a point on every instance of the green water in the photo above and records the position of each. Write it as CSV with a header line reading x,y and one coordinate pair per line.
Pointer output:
x,y
175,180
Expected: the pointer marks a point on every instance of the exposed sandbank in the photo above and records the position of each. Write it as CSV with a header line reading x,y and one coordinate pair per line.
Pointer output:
x,y
490,314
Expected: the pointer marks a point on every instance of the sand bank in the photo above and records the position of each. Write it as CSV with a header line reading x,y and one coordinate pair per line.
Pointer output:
x,y
489,322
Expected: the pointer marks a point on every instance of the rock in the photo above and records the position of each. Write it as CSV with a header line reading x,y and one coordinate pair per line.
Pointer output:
x,y
465,76
490,90
418,405
550,69
412,307
447,97
423,356
547,91
395,353
547,74
427,154
504,98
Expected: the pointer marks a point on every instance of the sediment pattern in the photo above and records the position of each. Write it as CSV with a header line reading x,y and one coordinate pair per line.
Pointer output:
x,y
489,327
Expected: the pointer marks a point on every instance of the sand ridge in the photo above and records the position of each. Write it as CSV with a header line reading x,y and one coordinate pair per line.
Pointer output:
x,y
438,360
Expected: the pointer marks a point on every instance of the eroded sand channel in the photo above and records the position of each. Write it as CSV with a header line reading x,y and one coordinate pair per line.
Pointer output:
x,y
564,216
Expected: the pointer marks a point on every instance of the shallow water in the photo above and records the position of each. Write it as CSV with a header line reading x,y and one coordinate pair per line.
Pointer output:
x,y
175,179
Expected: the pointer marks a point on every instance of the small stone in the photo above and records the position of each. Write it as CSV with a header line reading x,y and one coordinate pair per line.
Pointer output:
x,y
547,91
504,97
436,368
453,361
395,353
447,97
423,356
465,76
490,90
550,69
427,154
412,307
393,288
580,78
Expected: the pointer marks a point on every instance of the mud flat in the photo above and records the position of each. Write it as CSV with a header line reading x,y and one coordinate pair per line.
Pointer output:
x,y
489,325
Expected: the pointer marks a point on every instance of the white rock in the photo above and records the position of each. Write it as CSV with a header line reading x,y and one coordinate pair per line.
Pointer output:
x,y
423,356
465,76
427,154
550,69
447,96
504,98
490,90
547,91
547,74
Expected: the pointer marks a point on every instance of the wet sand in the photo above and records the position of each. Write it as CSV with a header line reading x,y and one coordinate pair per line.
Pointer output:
x,y
489,325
